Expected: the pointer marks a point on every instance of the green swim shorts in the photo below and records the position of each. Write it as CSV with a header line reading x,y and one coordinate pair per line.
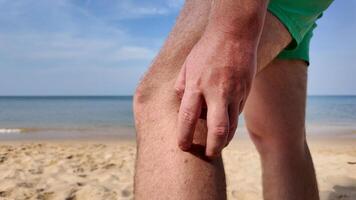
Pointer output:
x,y
299,17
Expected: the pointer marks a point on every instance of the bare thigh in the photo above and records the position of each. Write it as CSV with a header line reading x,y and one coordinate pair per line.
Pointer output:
x,y
275,109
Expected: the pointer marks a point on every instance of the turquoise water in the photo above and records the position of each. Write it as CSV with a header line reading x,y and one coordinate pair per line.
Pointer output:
x,y
111,116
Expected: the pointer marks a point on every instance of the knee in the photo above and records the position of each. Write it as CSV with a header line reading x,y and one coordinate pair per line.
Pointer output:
x,y
142,97
141,103
151,95
277,139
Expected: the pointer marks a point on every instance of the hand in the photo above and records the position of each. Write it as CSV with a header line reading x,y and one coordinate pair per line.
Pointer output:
x,y
217,73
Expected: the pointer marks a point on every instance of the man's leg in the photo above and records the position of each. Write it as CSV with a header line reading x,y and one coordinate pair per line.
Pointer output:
x,y
163,171
275,117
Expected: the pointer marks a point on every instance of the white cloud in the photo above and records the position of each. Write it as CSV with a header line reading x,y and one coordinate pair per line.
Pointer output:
x,y
75,47
67,35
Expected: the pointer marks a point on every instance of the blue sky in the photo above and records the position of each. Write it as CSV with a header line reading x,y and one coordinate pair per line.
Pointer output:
x,y
76,47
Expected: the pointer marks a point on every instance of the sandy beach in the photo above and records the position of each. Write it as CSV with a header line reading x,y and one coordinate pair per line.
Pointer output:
x,y
98,170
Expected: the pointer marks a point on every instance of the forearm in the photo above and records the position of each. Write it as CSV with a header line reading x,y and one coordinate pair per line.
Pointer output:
x,y
241,19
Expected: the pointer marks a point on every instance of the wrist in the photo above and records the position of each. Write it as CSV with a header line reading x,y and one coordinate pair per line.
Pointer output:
x,y
240,45
230,51
243,20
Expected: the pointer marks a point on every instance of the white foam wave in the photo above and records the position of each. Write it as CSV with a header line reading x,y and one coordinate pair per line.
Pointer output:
x,y
10,130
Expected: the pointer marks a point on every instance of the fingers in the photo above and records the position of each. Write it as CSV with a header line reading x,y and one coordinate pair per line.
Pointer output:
x,y
189,113
180,82
218,128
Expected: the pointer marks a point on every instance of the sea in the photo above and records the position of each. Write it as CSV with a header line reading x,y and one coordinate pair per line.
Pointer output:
x,y
111,117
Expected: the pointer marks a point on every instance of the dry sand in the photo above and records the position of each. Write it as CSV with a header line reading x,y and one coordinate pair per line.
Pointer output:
x,y
83,170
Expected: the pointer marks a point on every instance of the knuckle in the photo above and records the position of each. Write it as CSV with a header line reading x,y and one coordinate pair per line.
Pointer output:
x,y
223,91
221,131
226,90
187,116
179,91
194,87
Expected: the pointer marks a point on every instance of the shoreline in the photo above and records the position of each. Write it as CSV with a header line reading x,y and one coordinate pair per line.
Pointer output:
x,y
109,140
313,131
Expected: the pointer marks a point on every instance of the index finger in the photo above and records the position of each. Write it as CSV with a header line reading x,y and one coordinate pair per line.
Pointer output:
x,y
218,128
188,115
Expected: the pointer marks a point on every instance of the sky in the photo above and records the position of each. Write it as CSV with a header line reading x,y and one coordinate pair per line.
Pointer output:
x,y
87,47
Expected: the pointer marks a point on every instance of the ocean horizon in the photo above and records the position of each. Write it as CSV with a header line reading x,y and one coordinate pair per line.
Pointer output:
x,y
86,116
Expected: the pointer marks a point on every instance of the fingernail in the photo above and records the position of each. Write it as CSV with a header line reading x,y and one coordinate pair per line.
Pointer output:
x,y
213,155
184,146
